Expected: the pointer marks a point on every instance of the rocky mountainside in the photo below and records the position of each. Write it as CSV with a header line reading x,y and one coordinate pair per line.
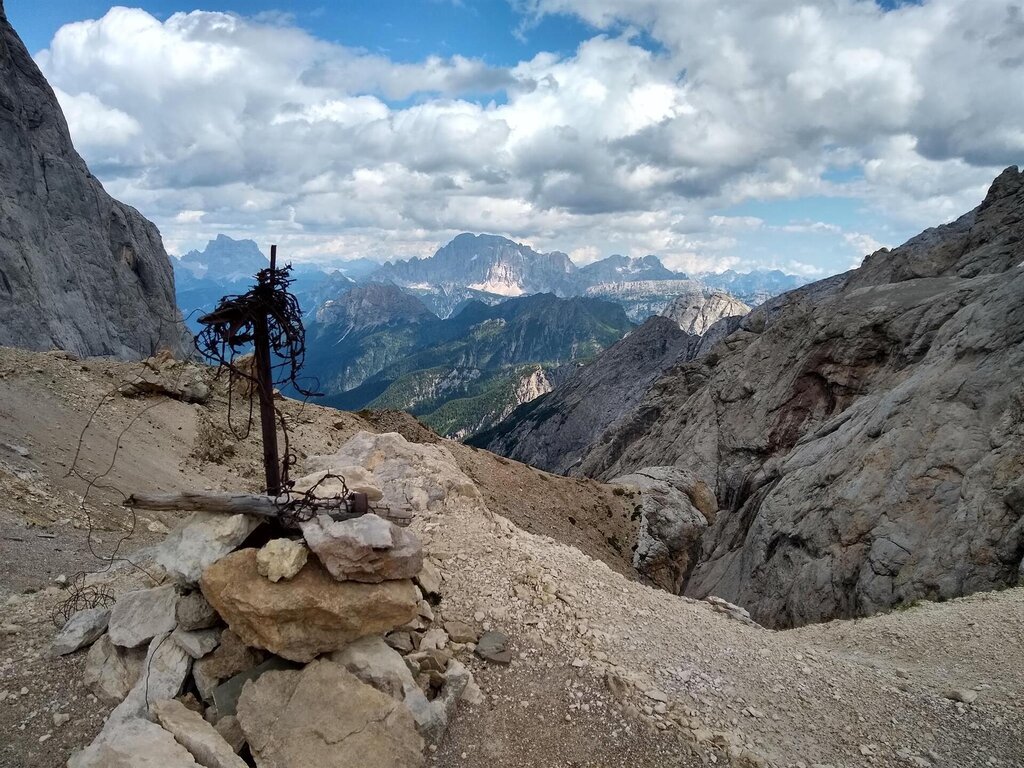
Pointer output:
x,y
696,311
602,670
78,270
556,431
380,347
862,437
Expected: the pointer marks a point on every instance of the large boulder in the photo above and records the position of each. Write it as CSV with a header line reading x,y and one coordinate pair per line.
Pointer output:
x,y
202,540
308,615
675,509
323,716
78,270
366,548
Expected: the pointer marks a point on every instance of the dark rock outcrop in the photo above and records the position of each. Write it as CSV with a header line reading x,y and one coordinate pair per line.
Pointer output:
x,y
78,270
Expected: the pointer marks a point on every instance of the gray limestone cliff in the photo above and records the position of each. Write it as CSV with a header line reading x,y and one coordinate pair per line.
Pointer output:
x,y
863,436
78,270
849,446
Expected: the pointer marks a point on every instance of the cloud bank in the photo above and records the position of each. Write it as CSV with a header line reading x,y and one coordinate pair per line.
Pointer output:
x,y
656,135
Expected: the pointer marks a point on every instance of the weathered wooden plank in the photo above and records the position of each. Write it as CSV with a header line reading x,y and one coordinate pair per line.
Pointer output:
x,y
228,503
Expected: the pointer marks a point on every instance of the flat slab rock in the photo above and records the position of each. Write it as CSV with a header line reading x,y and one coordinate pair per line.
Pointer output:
x,y
162,676
200,738
81,629
141,615
323,716
307,615
134,743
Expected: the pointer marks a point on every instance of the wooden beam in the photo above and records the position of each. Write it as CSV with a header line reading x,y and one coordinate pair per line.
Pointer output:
x,y
258,505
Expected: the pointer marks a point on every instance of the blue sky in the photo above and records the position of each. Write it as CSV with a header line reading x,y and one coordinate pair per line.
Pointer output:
x,y
714,134
404,30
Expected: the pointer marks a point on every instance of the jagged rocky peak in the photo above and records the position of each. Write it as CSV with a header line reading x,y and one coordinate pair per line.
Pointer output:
x,y
700,308
487,263
372,305
225,259
79,270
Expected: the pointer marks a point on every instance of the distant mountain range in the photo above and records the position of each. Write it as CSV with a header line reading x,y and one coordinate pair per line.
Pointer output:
x,y
464,336
489,268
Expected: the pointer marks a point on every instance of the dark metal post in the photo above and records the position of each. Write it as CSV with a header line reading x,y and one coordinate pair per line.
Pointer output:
x,y
265,384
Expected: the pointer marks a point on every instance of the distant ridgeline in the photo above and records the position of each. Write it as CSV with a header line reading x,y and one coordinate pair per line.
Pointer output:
x,y
462,338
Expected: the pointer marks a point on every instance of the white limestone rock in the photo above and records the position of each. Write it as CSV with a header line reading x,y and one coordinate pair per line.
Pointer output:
x,y
367,548
133,743
82,629
142,615
201,541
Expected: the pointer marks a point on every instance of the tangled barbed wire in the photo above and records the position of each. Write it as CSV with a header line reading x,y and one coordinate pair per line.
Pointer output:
x,y
230,331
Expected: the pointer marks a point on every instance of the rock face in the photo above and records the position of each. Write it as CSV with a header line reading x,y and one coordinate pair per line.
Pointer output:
x,y
323,716
307,615
864,435
78,270
696,311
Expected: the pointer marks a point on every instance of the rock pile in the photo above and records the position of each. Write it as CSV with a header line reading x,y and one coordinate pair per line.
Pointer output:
x,y
283,651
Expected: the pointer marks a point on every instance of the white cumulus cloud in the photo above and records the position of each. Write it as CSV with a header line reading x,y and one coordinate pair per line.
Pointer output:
x,y
252,126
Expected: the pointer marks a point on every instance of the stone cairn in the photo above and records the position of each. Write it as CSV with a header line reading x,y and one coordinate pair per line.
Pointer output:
x,y
325,649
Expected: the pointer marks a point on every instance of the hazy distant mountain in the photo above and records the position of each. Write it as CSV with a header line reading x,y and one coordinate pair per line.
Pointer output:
x,y
224,260
755,287
490,268
622,269
643,298
228,266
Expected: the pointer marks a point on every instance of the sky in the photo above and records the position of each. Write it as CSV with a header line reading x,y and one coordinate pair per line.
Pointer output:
x,y
716,134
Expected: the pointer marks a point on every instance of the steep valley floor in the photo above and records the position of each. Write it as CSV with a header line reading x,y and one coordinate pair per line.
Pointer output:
x,y
607,671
